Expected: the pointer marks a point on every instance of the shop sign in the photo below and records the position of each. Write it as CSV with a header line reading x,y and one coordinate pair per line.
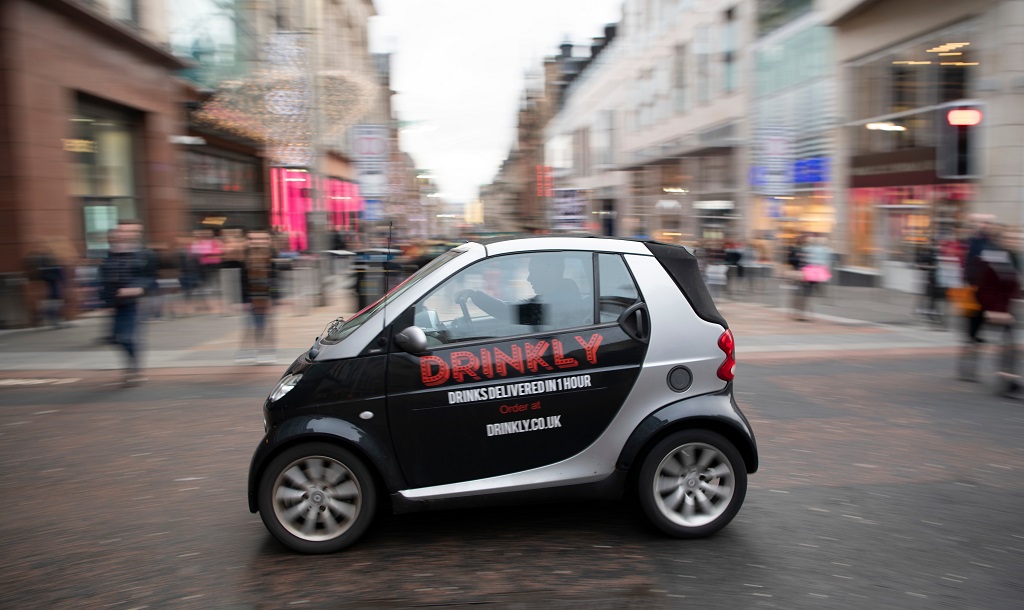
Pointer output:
x,y
373,210
79,146
568,210
810,171
775,151
370,144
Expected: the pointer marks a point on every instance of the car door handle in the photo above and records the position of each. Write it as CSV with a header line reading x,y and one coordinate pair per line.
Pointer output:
x,y
635,322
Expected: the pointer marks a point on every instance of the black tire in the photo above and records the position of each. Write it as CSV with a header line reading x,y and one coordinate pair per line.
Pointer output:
x,y
322,481
692,483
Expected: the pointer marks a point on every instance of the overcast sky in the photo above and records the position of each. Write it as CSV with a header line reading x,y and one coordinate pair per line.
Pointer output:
x,y
458,67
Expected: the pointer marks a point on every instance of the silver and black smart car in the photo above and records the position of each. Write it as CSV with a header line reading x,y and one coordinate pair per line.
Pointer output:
x,y
536,368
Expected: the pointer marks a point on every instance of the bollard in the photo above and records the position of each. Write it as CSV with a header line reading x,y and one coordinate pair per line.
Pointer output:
x,y
230,290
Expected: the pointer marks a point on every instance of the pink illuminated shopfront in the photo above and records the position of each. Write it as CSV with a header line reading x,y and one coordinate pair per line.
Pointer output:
x,y
888,223
292,202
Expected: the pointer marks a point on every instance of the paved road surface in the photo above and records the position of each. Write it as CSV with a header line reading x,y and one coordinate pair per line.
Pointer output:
x,y
884,483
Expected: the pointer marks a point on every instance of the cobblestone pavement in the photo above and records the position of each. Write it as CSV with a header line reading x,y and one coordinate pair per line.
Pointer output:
x,y
884,482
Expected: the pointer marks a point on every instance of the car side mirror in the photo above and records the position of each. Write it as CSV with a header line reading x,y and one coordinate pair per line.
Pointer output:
x,y
412,340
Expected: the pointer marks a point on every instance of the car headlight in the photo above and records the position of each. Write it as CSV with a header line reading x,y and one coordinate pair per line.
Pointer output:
x,y
284,386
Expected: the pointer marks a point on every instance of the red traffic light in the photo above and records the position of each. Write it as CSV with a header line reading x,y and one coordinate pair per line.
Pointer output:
x,y
964,117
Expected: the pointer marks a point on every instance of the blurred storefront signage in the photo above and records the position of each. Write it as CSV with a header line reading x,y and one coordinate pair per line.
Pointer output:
x,y
896,168
713,205
370,149
373,210
292,206
775,156
79,146
811,171
187,140
568,210
815,170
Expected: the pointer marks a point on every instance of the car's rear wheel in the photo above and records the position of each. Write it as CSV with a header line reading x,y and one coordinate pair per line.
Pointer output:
x,y
317,498
692,483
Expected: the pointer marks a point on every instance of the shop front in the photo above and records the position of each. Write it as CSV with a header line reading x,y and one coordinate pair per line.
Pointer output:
x,y
104,154
897,204
295,208
225,189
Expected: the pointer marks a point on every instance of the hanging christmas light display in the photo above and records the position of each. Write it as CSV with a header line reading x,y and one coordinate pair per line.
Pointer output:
x,y
283,107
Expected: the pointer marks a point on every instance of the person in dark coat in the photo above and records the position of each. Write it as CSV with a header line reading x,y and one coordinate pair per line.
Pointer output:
x,y
258,279
996,277
127,274
45,268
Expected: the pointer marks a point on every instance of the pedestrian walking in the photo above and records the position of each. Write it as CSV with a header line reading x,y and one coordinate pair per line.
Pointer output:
x,y
795,261
817,269
258,278
932,295
995,282
733,259
189,276
208,251
716,272
128,272
45,267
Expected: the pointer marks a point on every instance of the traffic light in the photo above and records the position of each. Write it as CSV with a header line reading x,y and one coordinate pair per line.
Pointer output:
x,y
958,154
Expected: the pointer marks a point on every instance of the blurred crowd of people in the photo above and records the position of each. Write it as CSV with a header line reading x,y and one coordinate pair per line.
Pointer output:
x,y
136,282
970,279
985,299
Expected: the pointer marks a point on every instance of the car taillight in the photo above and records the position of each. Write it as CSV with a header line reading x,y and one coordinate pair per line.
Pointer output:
x,y
727,370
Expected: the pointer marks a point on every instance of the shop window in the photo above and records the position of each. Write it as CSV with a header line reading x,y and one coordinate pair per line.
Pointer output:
x,y
103,152
702,53
729,50
679,84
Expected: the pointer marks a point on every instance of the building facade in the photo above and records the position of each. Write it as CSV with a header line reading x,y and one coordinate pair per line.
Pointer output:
x,y
903,65
664,156
89,109
793,115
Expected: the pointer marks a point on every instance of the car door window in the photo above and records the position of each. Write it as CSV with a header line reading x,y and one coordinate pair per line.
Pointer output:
x,y
618,290
510,295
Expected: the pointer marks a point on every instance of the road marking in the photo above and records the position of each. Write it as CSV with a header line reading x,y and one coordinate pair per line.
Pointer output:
x,y
39,381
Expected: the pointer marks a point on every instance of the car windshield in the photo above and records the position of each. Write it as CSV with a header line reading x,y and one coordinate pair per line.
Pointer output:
x,y
339,329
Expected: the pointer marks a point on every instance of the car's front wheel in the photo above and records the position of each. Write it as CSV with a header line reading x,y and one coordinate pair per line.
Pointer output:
x,y
317,498
692,483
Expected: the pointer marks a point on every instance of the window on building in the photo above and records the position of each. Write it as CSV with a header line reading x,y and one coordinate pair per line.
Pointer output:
x,y
603,139
216,173
581,152
729,50
104,154
126,11
773,14
679,81
702,53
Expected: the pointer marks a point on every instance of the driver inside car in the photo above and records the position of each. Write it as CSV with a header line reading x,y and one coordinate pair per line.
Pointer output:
x,y
557,300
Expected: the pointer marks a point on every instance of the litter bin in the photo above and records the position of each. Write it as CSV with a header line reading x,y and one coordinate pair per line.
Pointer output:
x,y
376,272
13,306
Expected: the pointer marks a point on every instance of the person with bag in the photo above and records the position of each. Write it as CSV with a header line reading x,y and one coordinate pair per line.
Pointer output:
x,y
995,272
795,258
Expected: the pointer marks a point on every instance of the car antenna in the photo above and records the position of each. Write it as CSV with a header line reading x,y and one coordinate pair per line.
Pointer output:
x,y
387,256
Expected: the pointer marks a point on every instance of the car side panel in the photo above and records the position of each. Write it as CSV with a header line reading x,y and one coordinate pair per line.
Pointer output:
x,y
712,411
364,439
678,337
455,422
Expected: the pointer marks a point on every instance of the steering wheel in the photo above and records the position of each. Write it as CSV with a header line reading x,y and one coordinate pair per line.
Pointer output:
x,y
466,320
